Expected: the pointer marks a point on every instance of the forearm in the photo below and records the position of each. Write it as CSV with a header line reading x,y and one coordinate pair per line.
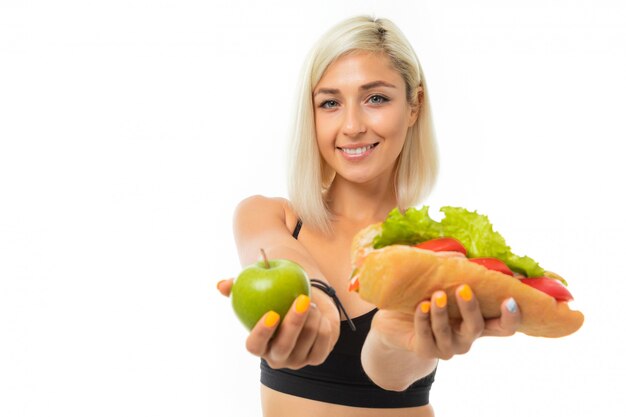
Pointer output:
x,y
393,369
297,255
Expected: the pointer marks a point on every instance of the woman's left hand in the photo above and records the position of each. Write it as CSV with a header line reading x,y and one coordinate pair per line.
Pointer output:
x,y
429,333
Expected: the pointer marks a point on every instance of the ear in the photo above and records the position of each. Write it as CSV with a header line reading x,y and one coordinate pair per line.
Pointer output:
x,y
416,105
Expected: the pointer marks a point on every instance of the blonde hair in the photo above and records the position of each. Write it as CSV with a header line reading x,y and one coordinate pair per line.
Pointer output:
x,y
309,175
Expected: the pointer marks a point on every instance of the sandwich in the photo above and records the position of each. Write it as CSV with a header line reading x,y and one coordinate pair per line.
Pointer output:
x,y
402,261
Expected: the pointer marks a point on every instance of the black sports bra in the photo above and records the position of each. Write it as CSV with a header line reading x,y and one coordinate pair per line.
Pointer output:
x,y
341,378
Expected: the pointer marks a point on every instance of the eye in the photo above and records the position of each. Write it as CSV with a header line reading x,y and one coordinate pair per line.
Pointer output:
x,y
329,104
378,99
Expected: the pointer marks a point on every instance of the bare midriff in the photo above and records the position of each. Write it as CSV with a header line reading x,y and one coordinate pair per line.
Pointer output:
x,y
277,404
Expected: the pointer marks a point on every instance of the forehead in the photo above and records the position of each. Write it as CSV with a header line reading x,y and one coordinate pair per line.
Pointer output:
x,y
360,68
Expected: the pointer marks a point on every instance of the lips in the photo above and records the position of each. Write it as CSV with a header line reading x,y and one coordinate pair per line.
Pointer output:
x,y
356,150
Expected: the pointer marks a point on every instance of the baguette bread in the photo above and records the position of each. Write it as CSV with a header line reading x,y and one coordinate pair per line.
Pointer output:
x,y
399,277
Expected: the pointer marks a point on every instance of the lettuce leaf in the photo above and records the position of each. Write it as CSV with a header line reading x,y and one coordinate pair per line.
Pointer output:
x,y
473,230
414,226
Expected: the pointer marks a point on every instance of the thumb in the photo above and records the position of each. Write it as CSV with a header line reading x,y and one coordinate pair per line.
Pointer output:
x,y
224,286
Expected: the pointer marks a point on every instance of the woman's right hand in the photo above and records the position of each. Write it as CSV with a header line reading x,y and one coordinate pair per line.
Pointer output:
x,y
305,336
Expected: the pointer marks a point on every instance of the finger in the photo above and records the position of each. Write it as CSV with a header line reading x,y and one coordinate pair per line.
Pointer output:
x,y
224,286
473,323
508,322
511,317
290,329
440,324
323,344
423,332
308,336
259,338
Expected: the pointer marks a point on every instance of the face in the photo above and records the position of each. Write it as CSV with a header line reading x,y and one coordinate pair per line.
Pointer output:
x,y
362,116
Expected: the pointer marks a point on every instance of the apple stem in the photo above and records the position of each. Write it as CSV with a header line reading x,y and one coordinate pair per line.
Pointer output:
x,y
267,263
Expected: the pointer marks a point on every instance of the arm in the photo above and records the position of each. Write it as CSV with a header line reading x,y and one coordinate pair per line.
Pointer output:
x,y
402,348
259,222
390,368
303,338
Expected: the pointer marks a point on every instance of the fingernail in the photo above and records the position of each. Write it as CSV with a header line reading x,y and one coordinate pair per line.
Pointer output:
x,y
354,284
271,318
219,282
425,307
441,299
466,292
302,303
511,305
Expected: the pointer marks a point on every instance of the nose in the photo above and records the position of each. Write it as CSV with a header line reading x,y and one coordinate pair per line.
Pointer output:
x,y
353,123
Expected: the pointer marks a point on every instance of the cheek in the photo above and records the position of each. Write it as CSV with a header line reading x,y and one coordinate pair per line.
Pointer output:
x,y
324,131
392,124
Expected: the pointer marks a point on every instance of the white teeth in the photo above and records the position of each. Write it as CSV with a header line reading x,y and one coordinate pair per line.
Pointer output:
x,y
357,151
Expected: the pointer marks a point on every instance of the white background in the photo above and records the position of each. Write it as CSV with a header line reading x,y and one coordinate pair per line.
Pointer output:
x,y
129,130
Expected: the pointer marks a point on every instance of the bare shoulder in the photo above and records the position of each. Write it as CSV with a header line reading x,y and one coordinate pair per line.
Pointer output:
x,y
258,200
261,221
264,208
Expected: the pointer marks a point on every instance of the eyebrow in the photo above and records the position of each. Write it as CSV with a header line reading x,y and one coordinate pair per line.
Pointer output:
x,y
368,86
375,84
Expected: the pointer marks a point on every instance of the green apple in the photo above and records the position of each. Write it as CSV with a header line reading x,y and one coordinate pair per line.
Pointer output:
x,y
267,285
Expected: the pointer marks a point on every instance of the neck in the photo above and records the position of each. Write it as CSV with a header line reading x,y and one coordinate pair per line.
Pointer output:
x,y
361,203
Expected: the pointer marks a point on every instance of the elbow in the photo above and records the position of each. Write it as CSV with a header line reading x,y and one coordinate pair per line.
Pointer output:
x,y
392,381
395,387
390,385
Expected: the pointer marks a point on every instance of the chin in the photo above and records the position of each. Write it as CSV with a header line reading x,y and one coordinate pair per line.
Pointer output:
x,y
360,178
363,175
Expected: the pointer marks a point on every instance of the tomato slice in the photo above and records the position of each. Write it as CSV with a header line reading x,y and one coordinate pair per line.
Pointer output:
x,y
550,286
443,244
493,264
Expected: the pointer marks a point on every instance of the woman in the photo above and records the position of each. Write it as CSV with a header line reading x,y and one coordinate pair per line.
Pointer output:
x,y
363,144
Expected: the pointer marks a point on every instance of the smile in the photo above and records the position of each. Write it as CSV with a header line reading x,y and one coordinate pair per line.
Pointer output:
x,y
357,151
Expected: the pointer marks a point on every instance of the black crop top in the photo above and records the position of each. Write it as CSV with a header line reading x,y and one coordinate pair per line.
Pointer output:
x,y
341,378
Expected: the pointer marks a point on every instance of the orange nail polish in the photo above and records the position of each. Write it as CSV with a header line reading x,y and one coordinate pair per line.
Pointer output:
x,y
354,284
302,303
441,299
466,293
425,307
271,318
219,282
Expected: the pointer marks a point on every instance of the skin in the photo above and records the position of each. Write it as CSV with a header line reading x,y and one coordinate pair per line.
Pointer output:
x,y
360,100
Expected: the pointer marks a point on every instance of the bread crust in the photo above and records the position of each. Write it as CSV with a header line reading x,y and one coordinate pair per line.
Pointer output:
x,y
399,277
